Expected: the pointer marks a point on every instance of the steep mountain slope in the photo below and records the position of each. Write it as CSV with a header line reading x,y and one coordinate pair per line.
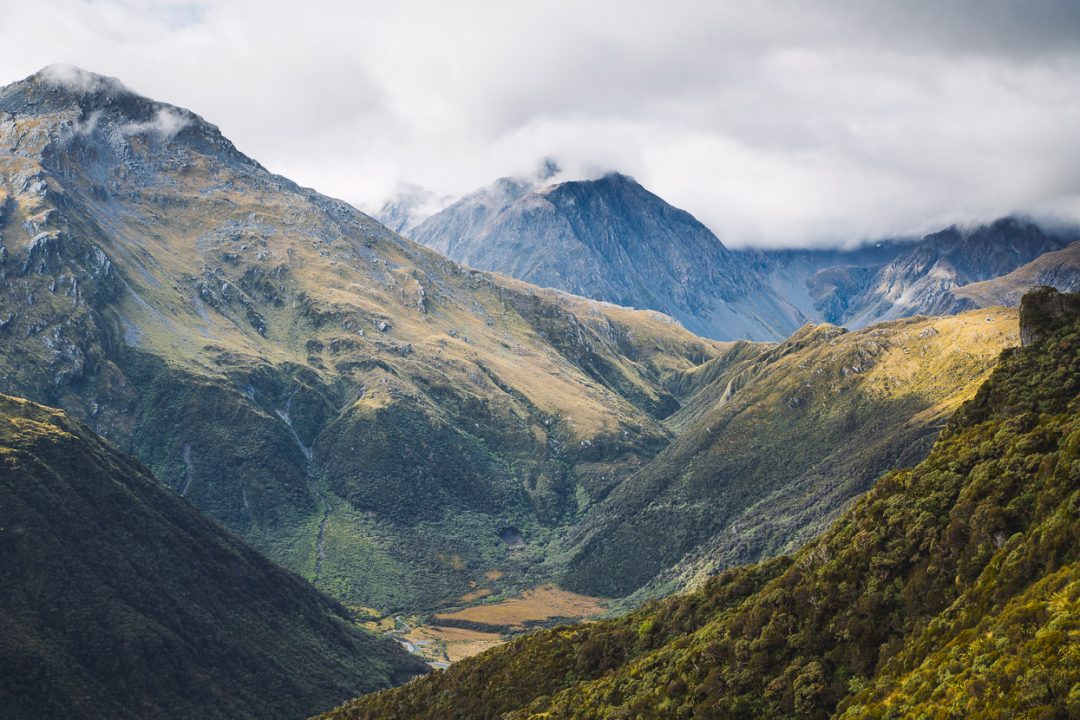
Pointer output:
x,y
369,413
1059,270
921,280
822,282
776,440
613,240
949,590
120,600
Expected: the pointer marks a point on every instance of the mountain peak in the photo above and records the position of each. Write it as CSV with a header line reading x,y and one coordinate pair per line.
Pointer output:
x,y
76,80
63,88
614,176
86,103
59,86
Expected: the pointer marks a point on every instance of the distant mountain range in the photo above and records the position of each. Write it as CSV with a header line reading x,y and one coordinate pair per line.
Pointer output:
x,y
611,239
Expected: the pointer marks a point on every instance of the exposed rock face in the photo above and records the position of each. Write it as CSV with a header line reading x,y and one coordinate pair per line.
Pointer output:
x,y
612,240
1044,310
922,280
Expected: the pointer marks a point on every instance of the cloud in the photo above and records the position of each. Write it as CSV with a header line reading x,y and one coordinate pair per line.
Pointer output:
x,y
166,123
71,77
773,122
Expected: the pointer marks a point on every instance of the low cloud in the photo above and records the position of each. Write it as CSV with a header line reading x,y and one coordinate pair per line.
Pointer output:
x,y
72,77
166,123
775,123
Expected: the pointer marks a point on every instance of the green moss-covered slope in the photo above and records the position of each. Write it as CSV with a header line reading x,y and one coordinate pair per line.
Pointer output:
x,y
118,599
949,590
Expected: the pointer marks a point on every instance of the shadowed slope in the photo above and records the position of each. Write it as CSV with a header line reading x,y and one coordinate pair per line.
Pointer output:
x,y
121,600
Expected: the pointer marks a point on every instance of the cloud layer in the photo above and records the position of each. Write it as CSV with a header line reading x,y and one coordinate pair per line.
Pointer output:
x,y
776,123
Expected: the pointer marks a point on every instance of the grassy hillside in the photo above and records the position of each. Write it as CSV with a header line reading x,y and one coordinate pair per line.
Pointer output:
x,y
774,440
949,590
121,600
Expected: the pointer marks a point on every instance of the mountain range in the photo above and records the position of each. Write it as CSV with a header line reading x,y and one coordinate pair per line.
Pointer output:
x,y
611,239
274,373
368,413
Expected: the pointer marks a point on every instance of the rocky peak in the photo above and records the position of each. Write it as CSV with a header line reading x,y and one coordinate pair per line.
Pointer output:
x,y
59,88
89,104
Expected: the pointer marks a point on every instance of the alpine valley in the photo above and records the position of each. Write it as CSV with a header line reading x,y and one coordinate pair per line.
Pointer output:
x,y
242,420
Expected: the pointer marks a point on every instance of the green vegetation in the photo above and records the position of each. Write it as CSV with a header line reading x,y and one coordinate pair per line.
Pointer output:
x,y
949,590
774,441
121,600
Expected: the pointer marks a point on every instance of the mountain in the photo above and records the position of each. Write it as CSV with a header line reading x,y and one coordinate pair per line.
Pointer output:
x,y
120,600
365,411
411,205
821,282
921,280
1059,269
775,440
932,276
378,418
612,240
951,589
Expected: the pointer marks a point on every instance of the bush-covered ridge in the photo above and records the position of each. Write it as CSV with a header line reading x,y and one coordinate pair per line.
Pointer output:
x,y
120,600
949,590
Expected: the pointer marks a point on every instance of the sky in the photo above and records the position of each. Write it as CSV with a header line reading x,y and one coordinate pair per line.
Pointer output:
x,y
775,123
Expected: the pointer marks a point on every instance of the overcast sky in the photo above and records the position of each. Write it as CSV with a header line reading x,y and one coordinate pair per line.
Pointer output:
x,y
776,123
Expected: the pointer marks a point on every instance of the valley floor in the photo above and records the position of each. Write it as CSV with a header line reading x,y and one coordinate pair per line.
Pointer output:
x,y
446,637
